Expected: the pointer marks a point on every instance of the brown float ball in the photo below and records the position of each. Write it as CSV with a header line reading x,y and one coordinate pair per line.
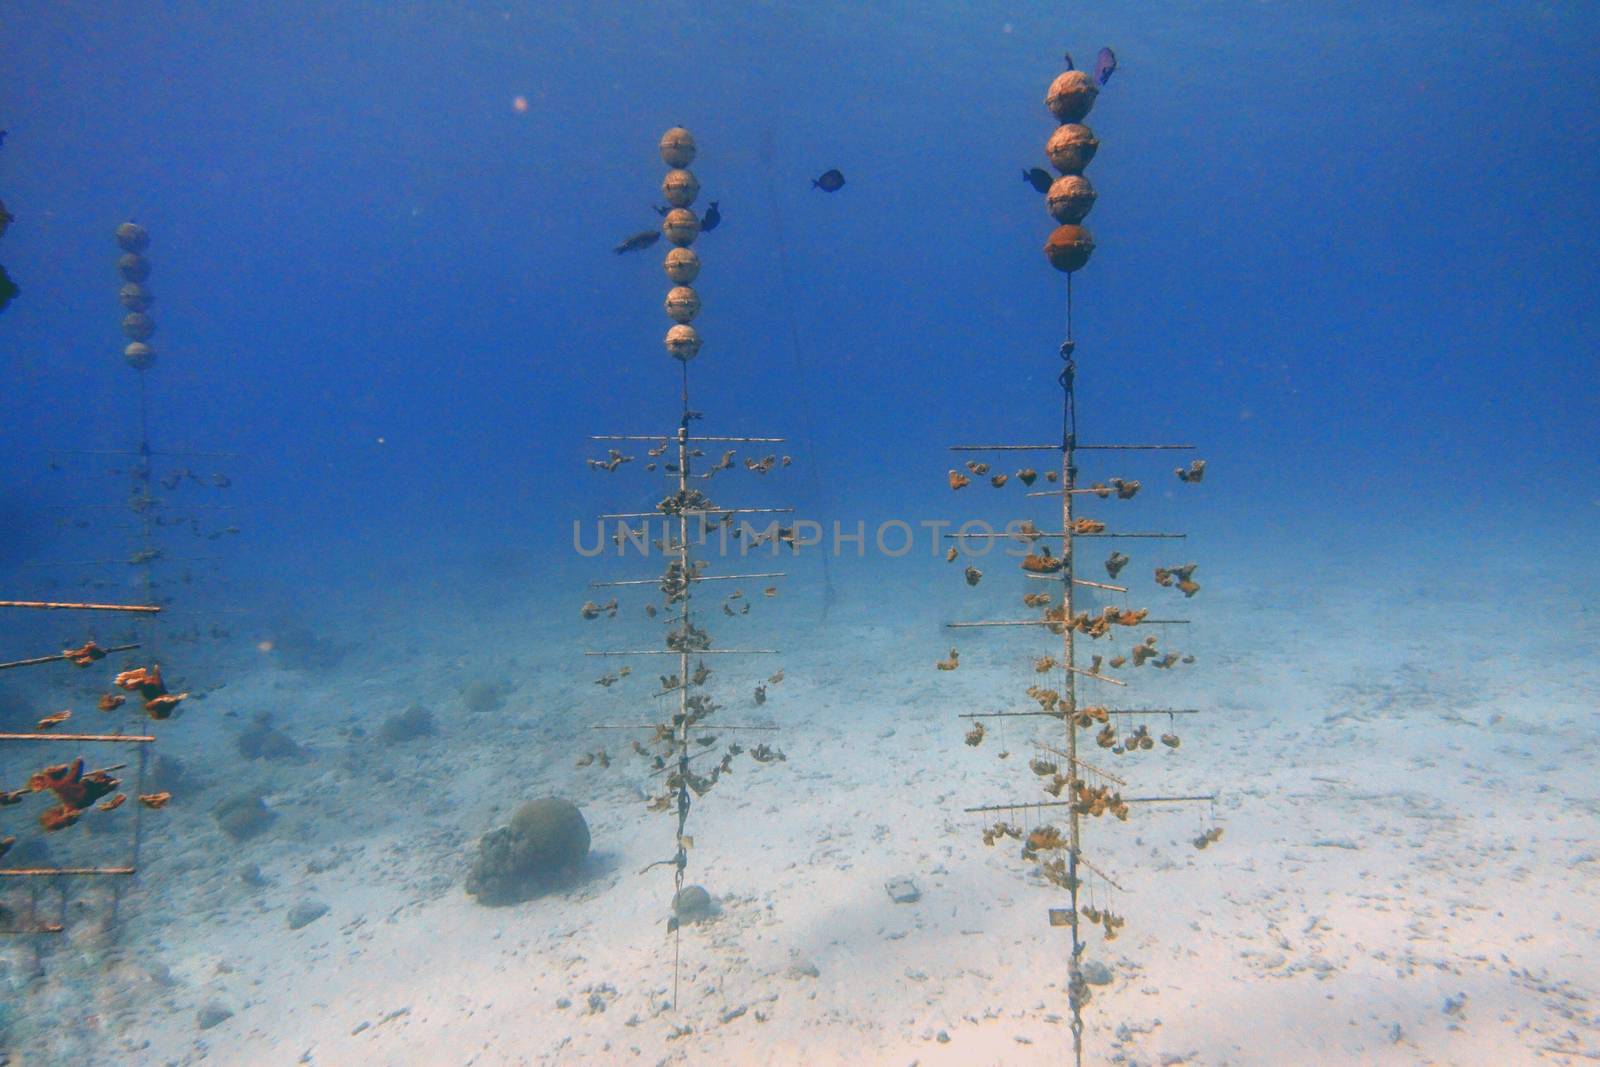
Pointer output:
x,y
680,188
135,297
683,304
133,267
682,265
138,326
683,343
139,355
1070,198
1069,248
677,147
680,227
1071,96
1071,148
131,237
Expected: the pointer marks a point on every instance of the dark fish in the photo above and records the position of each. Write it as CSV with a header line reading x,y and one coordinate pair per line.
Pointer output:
x,y
3,137
830,182
8,289
713,218
662,211
6,219
1105,65
1039,178
642,239
1068,58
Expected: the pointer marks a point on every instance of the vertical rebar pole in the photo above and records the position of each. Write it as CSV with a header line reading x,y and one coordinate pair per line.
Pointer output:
x,y
144,625
682,855
1069,475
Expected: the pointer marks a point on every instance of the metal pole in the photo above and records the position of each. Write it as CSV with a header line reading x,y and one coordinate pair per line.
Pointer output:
x,y
1069,474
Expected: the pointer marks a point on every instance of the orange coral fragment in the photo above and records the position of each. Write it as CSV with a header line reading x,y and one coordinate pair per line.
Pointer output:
x,y
1041,563
112,701
51,721
154,801
161,707
147,680
959,480
55,776
139,677
113,804
71,786
84,655
59,817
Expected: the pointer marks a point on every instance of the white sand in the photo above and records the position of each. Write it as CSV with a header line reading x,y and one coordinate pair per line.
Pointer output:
x,y
1407,791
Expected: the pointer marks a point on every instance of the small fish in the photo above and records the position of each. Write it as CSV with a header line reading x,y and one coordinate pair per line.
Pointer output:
x,y
712,219
1039,178
662,211
1068,57
1105,65
8,289
831,182
643,239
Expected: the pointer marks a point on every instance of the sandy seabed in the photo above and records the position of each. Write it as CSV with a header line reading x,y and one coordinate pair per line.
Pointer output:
x,y
1405,777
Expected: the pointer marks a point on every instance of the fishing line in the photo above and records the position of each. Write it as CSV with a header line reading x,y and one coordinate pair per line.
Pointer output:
x,y
818,492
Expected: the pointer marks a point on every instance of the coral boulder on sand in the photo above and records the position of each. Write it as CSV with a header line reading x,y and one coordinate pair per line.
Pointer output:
x,y
692,903
542,847
264,741
416,721
485,695
243,815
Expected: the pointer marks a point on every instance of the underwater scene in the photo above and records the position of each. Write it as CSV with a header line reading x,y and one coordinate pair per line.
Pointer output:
x,y
774,533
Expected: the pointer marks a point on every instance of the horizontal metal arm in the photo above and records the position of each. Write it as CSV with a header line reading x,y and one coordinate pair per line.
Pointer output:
x,y
46,605
1033,535
1076,581
1097,677
1067,803
674,436
46,872
699,726
61,656
1055,622
136,739
696,578
691,652
1062,714
1057,448
696,511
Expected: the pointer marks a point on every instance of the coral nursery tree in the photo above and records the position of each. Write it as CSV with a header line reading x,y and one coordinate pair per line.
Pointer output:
x,y
681,753
1071,698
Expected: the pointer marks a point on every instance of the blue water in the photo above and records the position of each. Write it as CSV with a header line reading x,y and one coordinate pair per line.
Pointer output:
x,y
1349,254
